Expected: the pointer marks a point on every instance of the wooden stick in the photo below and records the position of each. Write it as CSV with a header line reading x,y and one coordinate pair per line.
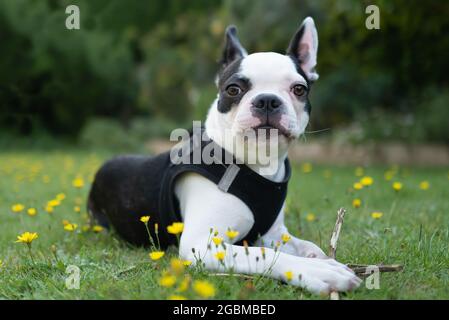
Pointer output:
x,y
334,295
362,269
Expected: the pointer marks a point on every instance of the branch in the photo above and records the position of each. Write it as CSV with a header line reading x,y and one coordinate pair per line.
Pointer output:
x,y
333,244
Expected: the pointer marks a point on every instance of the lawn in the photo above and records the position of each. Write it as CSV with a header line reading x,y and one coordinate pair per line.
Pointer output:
x,y
412,230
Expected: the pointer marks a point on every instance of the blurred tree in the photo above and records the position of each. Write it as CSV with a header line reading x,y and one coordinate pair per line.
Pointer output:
x,y
158,58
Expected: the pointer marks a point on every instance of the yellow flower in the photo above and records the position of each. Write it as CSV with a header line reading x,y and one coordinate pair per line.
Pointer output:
x,y
366,181
175,228
167,280
176,297
184,285
376,215
310,217
77,209
358,186
285,238
85,228
78,182
27,237
217,240
97,228
32,211
306,167
156,255
424,185
231,234
177,266
145,219
17,208
60,196
288,275
356,203
187,263
204,288
49,209
220,255
397,186
359,171
70,227
54,203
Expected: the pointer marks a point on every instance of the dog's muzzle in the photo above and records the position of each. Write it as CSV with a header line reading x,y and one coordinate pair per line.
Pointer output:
x,y
268,108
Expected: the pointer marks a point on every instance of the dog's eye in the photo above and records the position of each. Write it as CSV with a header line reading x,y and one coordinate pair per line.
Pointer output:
x,y
233,90
299,90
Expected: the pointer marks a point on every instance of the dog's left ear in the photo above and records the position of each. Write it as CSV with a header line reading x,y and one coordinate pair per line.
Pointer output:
x,y
304,47
233,50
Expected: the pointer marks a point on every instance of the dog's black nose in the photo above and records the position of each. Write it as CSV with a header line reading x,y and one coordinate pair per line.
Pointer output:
x,y
268,103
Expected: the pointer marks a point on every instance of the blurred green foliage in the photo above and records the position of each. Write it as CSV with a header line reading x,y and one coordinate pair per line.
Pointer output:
x,y
157,59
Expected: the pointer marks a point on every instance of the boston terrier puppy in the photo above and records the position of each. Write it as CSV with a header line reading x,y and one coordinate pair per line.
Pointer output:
x,y
231,208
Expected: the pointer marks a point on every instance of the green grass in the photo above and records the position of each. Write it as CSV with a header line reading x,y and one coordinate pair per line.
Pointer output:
x,y
413,231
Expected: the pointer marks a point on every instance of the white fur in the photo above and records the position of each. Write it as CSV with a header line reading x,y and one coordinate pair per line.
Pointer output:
x,y
203,206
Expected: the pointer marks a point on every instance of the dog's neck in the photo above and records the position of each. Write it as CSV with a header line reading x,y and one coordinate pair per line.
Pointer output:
x,y
275,173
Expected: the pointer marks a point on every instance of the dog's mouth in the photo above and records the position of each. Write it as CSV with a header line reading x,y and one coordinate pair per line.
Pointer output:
x,y
267,129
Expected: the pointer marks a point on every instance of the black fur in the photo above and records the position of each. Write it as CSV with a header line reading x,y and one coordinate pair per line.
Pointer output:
x,y
230,75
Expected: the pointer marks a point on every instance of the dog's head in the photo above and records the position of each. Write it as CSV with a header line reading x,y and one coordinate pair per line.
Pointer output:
x,y
266,90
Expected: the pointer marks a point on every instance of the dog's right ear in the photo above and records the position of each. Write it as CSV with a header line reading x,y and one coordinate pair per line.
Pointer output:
x,y
233,50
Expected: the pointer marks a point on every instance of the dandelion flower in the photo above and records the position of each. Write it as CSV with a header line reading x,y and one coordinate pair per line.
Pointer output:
x,y
204,288
176,297
27,237
60,196
288,275
177,266
356,203
175,228
49,209
376,215
184,285
424,185
358,186
97,228
285,238
231,234
17,208
310,217
77,209
70,227
32,212
397,186
187,263
167,280
54,203
145,219
217,240
156,255
306,167
78,182
366,181
220,255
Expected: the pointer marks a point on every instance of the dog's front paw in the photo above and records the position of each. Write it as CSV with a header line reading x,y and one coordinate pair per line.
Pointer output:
x,y
321,276
308,249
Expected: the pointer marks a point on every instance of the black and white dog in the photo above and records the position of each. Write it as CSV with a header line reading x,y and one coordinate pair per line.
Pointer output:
x,y
262,91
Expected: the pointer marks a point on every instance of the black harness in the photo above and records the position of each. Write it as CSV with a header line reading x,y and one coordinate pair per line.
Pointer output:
x,y
263,197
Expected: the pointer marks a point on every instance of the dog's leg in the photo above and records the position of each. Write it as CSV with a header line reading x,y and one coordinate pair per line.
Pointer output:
x,y
204,206
295,246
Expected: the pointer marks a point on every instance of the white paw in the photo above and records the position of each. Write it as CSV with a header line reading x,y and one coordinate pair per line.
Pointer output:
x,y
308,249
321,276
